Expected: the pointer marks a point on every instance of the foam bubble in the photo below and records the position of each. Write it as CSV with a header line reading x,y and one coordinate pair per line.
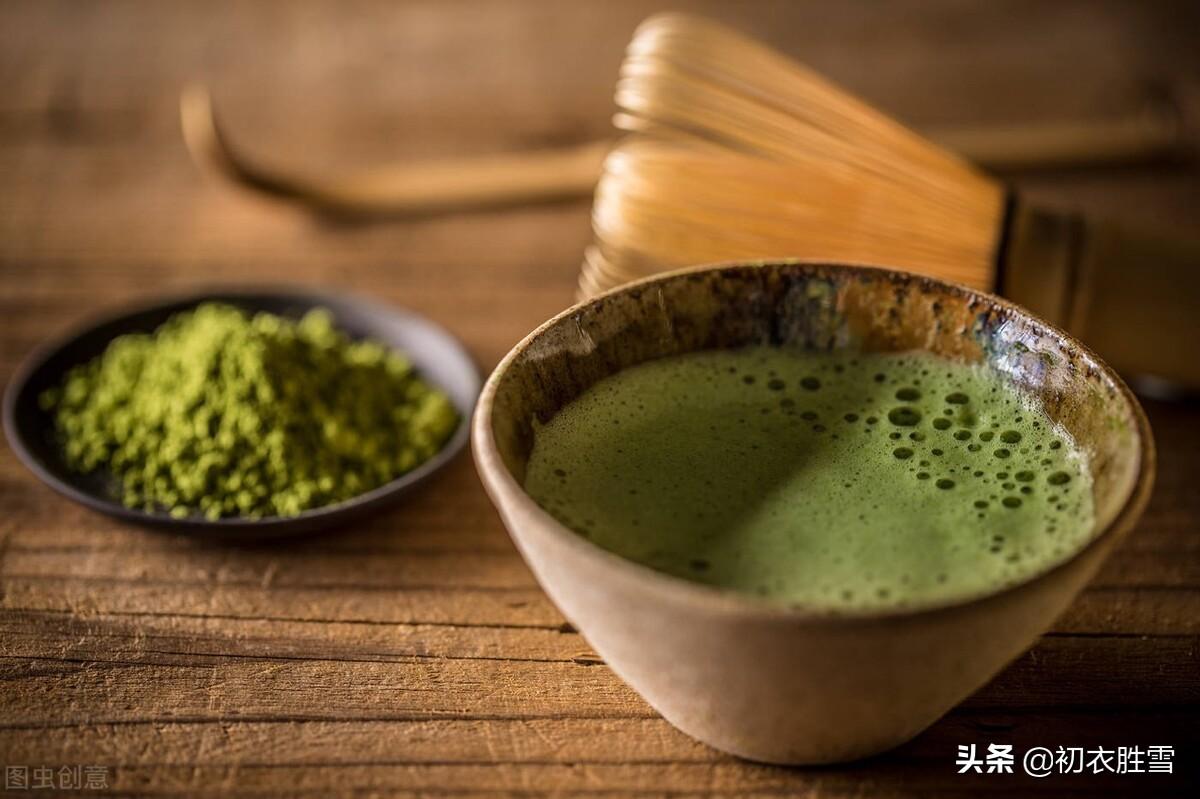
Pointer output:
x,y
904,416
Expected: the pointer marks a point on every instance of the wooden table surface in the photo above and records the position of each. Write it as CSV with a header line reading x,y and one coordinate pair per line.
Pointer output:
x,y
414,653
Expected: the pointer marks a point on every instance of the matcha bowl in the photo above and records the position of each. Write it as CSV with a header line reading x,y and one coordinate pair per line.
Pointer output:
x,y
800,684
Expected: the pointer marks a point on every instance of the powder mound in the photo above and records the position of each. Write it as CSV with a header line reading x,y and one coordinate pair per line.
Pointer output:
x,y
221,413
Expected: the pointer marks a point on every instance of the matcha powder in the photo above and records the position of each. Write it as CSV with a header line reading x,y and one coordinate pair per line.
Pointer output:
x,y
220,413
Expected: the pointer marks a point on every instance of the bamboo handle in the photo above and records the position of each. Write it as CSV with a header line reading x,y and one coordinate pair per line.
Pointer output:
x,y
1137,301
544,175
401,189
1157,133
1133,296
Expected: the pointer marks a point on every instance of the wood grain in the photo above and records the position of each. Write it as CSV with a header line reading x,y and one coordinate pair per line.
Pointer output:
x,y
413,654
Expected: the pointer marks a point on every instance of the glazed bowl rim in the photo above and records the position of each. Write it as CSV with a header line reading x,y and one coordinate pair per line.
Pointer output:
x,y
505,491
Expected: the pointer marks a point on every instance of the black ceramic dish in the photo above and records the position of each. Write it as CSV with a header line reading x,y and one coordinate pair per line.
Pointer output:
x,y
437,355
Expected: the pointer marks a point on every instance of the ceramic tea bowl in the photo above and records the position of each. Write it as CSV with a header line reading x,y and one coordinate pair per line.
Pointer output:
x,y
796,685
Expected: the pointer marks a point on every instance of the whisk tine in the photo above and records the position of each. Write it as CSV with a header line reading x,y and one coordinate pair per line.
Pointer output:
x,y
748,66
736,151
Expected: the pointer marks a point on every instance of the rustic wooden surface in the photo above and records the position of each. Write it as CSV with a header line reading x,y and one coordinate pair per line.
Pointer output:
x,y
414,653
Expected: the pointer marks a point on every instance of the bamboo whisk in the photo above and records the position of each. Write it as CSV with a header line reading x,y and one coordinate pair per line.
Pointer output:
x,y
736,151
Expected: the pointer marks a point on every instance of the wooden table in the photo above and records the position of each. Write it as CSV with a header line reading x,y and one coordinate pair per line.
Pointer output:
x,y
414,653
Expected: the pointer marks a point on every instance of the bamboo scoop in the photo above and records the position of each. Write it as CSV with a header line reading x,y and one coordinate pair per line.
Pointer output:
x,y
555,174
398,188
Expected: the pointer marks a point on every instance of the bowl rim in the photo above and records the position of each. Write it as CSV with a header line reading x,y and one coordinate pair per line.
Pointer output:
x,y
245,529
505,492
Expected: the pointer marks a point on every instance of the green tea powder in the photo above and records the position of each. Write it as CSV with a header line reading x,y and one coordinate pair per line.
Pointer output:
x,y
221,413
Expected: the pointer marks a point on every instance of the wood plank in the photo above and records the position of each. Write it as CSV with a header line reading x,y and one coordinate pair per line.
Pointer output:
x,y
308,742
314,742
113,684
583,779
499,571
244,758
136,637
432,606
1134,612
113,689
495,570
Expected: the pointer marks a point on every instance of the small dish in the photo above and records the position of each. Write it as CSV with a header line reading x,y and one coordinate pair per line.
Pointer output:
x,y
438,356
797,685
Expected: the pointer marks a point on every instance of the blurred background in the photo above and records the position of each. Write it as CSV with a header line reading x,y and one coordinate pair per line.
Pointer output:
x,y
99,200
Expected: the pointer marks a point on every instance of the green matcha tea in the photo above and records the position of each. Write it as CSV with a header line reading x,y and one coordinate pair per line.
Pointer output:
x,y
835,481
